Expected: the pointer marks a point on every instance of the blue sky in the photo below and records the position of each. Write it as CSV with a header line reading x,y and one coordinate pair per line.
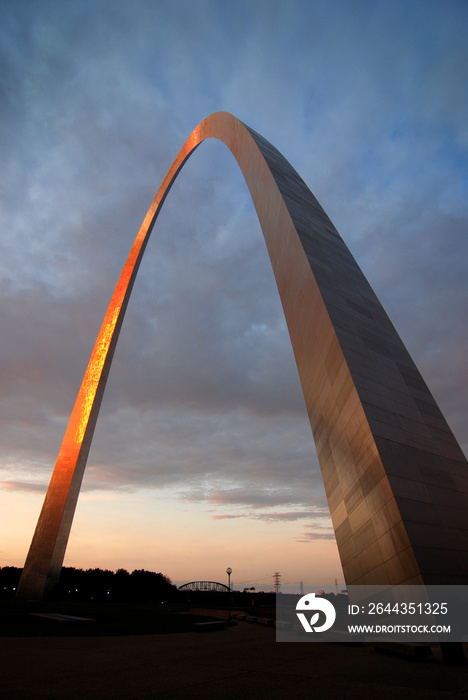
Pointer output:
x,y
203,456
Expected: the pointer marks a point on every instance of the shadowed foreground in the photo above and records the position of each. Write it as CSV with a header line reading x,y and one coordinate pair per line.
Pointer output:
x,y
243,661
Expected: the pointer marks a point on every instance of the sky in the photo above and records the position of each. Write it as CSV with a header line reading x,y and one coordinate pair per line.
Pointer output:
x,y
203,457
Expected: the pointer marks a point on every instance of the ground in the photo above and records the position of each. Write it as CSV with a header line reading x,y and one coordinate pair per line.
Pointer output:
x,y
241,661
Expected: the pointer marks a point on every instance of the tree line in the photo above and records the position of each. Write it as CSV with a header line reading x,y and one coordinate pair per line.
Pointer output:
x,y
99,584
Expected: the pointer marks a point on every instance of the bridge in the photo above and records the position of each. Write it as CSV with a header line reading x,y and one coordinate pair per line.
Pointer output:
x,y
204,586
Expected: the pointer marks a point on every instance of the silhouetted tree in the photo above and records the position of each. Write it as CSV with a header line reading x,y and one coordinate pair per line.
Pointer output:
x,y
102,584
9,579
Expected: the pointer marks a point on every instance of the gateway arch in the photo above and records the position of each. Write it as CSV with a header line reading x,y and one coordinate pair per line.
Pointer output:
x,y
395,477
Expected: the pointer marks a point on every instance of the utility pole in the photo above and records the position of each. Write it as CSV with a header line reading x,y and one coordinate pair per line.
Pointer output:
x,y
277,580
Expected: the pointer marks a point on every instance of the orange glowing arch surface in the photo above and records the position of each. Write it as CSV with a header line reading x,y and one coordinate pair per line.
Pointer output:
x,y
354,370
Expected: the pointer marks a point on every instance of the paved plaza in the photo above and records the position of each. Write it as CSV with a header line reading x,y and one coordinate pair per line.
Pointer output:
x,y
242,661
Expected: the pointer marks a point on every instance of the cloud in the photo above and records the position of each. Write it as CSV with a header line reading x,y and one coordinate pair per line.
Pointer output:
x,y
273,517
313,536
23,486
253,497
291,515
